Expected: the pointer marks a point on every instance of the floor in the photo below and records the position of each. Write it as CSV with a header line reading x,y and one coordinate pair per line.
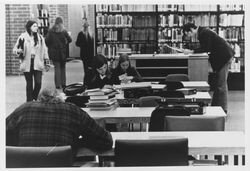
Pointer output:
x,y
15,94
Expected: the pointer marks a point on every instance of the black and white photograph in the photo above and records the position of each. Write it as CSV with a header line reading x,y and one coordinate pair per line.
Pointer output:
x,y
121,85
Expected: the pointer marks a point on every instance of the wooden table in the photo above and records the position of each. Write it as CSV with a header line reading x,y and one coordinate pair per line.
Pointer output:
x,y
210,143
141,114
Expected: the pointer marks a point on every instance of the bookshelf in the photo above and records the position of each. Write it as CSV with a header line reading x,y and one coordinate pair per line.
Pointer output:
x,y
148,29
43,19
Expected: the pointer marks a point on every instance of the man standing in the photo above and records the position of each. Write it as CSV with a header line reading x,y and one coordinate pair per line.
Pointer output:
x,y
50,121
220,56
86,43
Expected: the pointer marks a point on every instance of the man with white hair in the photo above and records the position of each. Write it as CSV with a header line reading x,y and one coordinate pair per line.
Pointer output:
x,y
50,121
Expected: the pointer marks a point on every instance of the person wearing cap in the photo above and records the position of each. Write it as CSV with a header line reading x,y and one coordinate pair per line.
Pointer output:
x,y
85,42
100,75
32,51
57,41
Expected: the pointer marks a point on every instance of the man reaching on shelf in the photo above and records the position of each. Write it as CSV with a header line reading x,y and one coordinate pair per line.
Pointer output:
x,y
220,57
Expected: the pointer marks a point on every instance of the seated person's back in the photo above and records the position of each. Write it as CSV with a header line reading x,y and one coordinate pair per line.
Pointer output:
x,y
52,122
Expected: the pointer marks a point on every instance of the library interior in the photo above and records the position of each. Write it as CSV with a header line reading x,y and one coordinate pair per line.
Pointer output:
x,y
166,108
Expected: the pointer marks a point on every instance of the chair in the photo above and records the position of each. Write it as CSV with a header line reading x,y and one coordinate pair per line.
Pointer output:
x,y
177,77
157,117
148,101
168,152
23,157
185,123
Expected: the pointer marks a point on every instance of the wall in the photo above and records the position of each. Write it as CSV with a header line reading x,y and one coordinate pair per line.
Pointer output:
x,y
16,17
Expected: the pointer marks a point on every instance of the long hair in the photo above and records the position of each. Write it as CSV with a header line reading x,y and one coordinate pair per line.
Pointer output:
x,y
28,26
123,58
58,26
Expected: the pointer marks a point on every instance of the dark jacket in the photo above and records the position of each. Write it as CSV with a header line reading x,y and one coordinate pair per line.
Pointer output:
x,y
220,50
131,71
86,44
93,80
57,43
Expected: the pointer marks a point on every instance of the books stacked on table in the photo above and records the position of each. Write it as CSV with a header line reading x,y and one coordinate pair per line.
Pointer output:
x,y
101,99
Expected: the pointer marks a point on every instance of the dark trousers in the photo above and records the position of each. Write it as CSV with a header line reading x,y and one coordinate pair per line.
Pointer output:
x,y
221,88
32,93
60,74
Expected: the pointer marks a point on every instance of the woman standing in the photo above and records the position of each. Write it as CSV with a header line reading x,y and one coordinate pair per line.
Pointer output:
x,y
31,48
57,41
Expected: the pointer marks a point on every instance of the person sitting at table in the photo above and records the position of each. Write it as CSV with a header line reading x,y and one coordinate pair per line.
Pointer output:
x,y
50,121
100,75
124,72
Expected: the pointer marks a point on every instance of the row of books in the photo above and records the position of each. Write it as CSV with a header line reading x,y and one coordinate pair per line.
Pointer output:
x,y
232,33
231,20
232,7
113,20
43,13
124,21
43,22
170,34
168,20
124,8
112,50
101,99
237,49
235,65
174,7
125,34
168,7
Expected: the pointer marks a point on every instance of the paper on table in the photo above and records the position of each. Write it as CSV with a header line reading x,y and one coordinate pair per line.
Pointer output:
x,y
175,48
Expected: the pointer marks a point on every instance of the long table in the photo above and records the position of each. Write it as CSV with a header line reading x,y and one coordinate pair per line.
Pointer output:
x,y
209,143
141,114
198,97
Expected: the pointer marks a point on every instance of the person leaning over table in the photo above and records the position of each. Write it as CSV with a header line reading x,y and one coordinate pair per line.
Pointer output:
x,y
33,55
100,75
50,121
220,57
124,72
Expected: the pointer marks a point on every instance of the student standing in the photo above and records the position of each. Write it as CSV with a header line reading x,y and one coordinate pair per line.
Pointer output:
x,y
57,41
34,59
86,43
220,57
